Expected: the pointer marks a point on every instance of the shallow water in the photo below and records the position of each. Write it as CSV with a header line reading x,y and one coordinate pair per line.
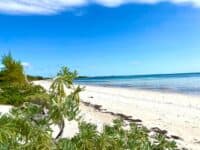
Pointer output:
x,y
186,83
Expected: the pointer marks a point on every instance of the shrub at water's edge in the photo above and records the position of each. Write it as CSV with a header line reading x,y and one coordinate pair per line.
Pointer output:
x,y
16,94
28,125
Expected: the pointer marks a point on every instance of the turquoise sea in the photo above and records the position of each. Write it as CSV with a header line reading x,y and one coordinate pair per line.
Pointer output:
x,y
186,83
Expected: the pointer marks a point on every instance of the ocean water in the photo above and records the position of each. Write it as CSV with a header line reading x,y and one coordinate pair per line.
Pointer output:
x,y
186,83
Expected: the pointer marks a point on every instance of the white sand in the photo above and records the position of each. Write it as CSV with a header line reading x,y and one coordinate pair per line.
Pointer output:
x,y
5,109
88,114
176,113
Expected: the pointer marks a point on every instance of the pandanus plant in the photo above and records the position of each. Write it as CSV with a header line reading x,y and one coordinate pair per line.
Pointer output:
x,y
63,80
65,98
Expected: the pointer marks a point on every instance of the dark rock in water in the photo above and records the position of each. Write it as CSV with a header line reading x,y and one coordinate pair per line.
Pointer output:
x,y
90,97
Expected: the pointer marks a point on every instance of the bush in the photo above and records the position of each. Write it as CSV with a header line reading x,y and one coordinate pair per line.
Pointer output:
x,y
27,127
18,131
17,94
35,78
14,88
115,138
12,72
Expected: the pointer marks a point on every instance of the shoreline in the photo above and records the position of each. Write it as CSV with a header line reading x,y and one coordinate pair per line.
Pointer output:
x,y
166,91
175,113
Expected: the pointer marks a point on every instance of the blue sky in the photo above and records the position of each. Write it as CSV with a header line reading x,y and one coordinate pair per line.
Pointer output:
x,y
103,37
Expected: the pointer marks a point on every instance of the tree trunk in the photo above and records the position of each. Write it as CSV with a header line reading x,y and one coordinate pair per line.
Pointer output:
x,y
62,126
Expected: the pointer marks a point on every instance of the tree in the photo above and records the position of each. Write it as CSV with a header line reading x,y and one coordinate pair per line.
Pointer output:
x,y
14,89
12,71
64,105
63,80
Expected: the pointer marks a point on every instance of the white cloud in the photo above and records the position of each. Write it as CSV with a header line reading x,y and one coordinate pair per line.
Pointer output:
x,y
26,64
38,6
1,66
55,6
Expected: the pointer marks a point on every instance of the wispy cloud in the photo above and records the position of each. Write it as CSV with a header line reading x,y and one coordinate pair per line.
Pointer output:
x,y
1,66
26,64
56,6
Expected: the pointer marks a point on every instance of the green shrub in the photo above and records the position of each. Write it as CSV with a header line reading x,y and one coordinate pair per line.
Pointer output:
x,y
35,78
12,72
17,94
18,131
14,88
115,138
27,127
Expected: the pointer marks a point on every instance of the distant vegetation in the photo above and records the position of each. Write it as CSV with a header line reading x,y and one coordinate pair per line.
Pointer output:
x,y
82,77
28,125
35,78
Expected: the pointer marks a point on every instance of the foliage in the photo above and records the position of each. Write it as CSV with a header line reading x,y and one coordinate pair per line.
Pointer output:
x,y
35,78
82,77
22,129
35,117
63,80
63,105
114,138
25,129
13,71
17,94
14,88
162,143
28,126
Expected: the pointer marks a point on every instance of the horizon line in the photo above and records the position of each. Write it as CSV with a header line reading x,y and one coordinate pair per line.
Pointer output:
x,y
141,75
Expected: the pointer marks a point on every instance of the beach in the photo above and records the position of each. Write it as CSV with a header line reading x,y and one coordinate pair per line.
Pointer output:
x,y
178,114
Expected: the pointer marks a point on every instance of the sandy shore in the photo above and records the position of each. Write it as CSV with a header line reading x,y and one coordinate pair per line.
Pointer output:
x,y
176,113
